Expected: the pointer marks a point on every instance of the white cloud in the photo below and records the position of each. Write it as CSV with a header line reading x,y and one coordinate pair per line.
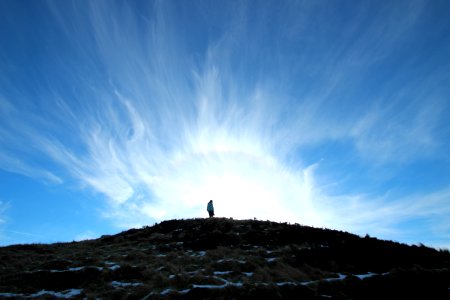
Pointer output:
x,y
86,235
398,131
13,164
385,217
3,208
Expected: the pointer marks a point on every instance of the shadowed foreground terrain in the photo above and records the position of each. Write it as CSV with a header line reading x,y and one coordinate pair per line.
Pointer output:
x,y
225,259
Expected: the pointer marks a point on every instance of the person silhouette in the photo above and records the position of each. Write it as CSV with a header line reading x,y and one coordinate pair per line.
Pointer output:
x,y
210,208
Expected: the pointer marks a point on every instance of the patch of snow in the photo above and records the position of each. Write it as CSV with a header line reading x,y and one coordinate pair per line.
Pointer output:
x,y
248,274
238,284
65,294
222,272
209,286
125,284
161,255
72,292
7,295
172,276
73,269
165,292
179,243
285,283
114,267
195,272
341,277
76,269
184,291
362,276
212,286
230,259
271,259
160,268
326,296
199,253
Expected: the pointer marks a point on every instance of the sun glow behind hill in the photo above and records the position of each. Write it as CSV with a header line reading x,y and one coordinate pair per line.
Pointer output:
x,y
239,169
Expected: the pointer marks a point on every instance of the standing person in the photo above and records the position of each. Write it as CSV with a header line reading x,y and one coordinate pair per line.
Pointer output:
x,y
210,209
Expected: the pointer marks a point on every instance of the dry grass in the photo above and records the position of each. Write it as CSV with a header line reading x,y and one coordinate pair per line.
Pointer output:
x,y
250,256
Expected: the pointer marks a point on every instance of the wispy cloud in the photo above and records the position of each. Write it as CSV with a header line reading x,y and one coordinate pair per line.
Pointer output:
x,y
400,131
86,235
413,218
3,208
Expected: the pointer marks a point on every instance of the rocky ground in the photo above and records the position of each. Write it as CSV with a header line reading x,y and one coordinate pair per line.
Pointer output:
x,y
225,259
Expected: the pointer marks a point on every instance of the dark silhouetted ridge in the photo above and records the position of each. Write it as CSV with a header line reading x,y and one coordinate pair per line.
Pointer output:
x,y
220,258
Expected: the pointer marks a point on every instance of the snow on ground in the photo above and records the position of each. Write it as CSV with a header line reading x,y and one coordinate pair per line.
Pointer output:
x,y
341,277
74,269
165,292
362,276
221,286
10,295
285,283
226,283
168,291
196,253
222,272
114,267
64,294
231,259
125,284
212,286
199,253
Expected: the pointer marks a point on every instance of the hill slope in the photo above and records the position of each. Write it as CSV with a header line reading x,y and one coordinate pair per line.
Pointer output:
x,y
221,259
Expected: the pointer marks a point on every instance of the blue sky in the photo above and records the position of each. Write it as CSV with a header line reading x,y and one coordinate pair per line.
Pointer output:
x,y
119,114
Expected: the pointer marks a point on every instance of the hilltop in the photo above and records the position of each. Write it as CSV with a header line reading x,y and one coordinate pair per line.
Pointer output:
x,y
222,258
